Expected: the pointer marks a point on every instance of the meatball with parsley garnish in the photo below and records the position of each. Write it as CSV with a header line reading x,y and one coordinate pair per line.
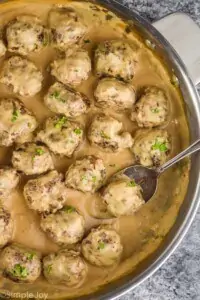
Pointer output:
x,y
115,58
152,147
20,264
61,136
102,247
32,159
115,94
73,68
106,133
152,109
86,174
46,193
15,121
26,34
21,76
64,100
122,196
6,227
65,227
65,267
9,179
67,27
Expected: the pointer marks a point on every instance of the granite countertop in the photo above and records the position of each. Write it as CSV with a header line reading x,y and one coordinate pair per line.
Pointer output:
x,y
179,277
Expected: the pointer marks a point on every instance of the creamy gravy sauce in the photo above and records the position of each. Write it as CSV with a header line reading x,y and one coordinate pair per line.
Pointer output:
x,y
142,233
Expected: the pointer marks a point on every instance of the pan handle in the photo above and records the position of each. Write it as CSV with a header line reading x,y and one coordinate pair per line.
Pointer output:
x,y
184,35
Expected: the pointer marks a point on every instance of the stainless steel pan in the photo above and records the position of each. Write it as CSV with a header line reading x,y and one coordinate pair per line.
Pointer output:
x,y
184,34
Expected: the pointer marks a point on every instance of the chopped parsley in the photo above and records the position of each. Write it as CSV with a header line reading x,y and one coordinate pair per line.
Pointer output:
x,y
19,271
60,122
94,178
69,209
161,146
84,177
104,135
155,110
45,41
15,115
101,245
87,41
78,131
30,256
131,183
49,269
38,152
56,95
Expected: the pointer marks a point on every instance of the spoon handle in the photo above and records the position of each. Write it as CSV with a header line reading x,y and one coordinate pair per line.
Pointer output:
x,y
190,150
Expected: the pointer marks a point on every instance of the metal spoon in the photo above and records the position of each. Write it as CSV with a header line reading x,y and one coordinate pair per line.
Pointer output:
x,y
147,178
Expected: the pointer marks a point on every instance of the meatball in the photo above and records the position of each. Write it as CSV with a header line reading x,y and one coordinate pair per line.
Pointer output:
x,y
102,247
152,109
105,132
65,267
32,158
115,59
65,227
73,69
67,27
26,34
22,76
2,48
86,174
122,196
20,264
46,193
115,94
9,179
6,227
64,100
152,147
15,121
61,136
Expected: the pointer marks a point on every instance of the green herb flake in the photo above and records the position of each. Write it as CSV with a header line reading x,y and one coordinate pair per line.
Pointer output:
x,y
104,135
55,94
30,256
84,177
155,110
161,146
78,131
69,209
131,183
49,269
101,245
45,40
60,122
19,271
15,115
87,41
94,178
38,152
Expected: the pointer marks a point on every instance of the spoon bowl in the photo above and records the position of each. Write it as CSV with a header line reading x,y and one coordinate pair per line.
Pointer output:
x,y
147,178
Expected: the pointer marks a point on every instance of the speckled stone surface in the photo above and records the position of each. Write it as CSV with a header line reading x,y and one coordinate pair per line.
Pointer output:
x,y
179,278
